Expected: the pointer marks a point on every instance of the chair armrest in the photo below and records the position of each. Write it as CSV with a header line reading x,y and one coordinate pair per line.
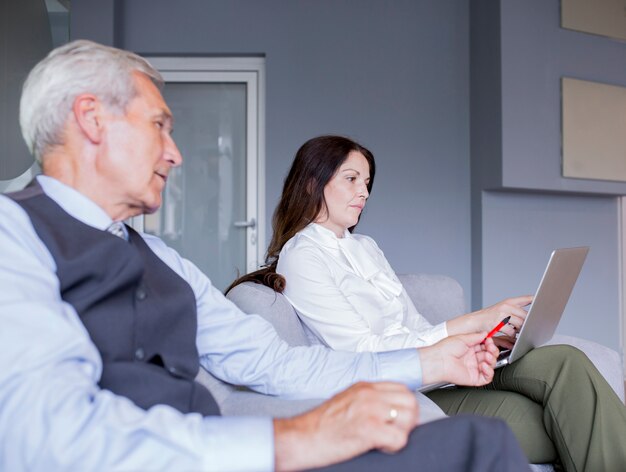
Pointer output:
x,y
219,389
606,360
249,403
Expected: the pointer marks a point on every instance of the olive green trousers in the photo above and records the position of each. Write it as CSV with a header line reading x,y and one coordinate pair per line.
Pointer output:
x,y
558,405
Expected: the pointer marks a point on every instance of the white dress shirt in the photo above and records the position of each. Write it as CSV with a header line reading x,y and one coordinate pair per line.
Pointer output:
x,y
53,415
348,295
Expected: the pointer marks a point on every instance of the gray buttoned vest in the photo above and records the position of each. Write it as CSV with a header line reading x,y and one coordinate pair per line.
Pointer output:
x,y
140,314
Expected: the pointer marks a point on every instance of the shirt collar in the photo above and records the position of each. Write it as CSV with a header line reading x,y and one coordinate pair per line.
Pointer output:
x,y
358,256
323,236
75,203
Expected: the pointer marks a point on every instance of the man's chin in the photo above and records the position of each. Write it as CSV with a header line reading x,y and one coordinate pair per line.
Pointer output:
x,y
150,210
146,209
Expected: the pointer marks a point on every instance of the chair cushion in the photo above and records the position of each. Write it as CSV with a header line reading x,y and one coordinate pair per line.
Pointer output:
x,y
258,299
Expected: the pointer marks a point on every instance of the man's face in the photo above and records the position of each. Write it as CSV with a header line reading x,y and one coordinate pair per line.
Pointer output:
x,y
139,151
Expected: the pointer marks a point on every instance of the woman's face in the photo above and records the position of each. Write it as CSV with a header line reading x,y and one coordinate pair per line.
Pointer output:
x,y
345,195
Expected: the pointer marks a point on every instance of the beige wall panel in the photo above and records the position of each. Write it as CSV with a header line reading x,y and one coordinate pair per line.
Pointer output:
x,y
594,130
603,17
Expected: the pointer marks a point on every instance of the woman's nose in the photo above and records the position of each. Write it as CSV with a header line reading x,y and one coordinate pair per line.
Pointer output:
x,y
363,191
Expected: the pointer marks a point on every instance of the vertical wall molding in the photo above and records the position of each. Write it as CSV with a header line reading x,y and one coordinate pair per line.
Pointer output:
x,y
622,277
485,125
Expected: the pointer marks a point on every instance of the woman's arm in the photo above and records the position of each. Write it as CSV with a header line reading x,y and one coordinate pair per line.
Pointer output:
x,y
487,318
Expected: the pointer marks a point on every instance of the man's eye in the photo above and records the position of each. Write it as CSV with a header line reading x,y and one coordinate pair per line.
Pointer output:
x,y
159,124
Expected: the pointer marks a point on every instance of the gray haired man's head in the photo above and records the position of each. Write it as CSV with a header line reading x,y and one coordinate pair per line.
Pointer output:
x,y
71,70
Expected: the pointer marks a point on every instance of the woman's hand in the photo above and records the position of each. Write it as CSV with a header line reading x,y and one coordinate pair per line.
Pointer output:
x,y
504,342
487,318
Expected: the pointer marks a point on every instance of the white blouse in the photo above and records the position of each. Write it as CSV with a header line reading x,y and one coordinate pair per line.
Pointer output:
x,y
348,295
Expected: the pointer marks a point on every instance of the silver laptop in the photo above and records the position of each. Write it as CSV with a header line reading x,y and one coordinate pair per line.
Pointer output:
x,y
549,303
547,307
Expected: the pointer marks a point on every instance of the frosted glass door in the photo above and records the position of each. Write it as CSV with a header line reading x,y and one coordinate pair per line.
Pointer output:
x,y
204,213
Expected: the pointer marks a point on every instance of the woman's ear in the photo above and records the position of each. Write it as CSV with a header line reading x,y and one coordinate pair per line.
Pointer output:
x,y
87,111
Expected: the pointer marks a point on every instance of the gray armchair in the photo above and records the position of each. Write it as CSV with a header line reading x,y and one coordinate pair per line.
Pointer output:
x,y
437,297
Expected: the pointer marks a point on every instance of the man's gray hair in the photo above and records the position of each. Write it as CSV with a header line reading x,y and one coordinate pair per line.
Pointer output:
x,y
70,70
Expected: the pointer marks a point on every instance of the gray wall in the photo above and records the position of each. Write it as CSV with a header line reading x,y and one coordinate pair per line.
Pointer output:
x,y
394,76
521,230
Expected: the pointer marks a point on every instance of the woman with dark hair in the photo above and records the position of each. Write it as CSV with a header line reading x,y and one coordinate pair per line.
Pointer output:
x,y
349,297
322,200
303,198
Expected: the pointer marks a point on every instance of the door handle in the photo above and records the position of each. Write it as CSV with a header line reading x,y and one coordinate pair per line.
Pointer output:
x,y
245,224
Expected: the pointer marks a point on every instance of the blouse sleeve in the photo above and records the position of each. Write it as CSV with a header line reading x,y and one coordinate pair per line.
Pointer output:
x,y
327,310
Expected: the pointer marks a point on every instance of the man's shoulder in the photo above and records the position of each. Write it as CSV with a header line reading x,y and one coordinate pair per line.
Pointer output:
x,y
11,210
24,193
160,248
182,266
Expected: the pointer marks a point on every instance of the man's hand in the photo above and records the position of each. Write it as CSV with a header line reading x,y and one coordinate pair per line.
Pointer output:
x,y
365,416
460,359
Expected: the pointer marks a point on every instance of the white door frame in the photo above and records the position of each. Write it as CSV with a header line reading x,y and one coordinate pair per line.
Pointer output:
x,y
251,71
622,275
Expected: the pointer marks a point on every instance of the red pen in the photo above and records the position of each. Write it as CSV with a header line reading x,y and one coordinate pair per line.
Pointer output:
x,y
497,328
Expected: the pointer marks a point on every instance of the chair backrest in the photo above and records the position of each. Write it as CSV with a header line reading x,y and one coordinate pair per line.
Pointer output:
x,y
437,297
255,298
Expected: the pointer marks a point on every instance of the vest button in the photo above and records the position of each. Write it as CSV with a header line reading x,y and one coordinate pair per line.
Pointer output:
x,y
140,354
172,370
141,293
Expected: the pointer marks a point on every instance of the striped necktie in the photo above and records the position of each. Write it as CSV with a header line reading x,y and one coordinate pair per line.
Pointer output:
x,y
117,228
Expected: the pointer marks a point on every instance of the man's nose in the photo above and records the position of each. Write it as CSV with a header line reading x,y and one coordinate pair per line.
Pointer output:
x,y
172,153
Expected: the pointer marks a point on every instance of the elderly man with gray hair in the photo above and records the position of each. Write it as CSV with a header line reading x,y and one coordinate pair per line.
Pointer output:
x,y
104,329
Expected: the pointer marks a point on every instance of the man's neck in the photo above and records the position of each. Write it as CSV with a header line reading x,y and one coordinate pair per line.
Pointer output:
x,y
73,172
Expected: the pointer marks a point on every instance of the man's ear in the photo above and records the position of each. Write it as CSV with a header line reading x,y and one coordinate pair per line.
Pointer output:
x,y
87,110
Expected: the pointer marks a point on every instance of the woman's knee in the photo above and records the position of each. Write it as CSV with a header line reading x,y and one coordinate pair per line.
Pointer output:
x,y
559,354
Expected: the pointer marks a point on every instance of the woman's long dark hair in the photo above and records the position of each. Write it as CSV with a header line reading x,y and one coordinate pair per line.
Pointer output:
x,y
302,200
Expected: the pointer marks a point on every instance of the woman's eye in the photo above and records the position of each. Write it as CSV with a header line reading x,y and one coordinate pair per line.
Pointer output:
x,y
351,179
